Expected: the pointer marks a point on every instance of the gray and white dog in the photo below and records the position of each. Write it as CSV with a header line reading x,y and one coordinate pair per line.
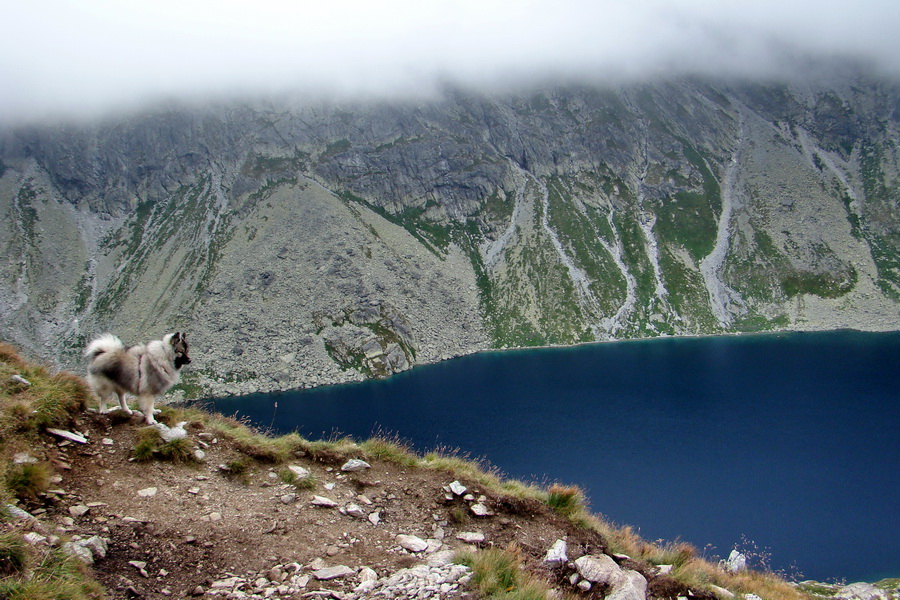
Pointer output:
x,y
146,371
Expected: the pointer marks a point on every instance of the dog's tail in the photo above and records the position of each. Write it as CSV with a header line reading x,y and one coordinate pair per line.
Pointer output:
x,y
105,343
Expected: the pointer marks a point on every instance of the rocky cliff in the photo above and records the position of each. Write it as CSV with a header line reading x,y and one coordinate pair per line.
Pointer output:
x,y
303,243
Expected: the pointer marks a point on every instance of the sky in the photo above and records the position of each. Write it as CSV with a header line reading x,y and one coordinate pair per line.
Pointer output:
x,y
91,57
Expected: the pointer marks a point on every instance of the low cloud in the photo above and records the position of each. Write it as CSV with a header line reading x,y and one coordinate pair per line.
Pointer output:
x,y
86,58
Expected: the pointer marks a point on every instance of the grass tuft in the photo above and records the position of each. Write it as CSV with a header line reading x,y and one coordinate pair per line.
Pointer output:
x,y
150,446
567,500
28,480
497,575
13,554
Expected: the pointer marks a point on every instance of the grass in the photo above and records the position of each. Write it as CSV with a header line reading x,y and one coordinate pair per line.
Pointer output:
x,y
497,574
151,445
26,481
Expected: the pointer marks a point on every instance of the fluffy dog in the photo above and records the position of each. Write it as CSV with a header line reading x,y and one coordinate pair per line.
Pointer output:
x,y
146,371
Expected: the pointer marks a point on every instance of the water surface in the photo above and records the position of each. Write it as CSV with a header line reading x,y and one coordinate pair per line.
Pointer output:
x,y
787,440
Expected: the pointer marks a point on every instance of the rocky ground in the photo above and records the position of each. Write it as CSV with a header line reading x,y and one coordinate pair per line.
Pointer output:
x,y
158,530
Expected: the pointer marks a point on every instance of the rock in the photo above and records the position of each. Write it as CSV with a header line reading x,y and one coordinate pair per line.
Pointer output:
x,y
735,562
68,435
78,551
354,465
584,585
412,543
323,502
354,511
147,492
298,471
175,433
34,538
720,591
23,458
288,498
19,379
375,517
557,553
861,591
470,537
367,575
457,488
79,510
97,545
631,586
17,513
599,568
329,573
480,510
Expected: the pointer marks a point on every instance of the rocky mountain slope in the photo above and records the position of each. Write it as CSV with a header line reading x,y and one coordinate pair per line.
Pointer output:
x,y
302,243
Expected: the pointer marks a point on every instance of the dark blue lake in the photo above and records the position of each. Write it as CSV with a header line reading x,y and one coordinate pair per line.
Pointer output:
x,y
789,440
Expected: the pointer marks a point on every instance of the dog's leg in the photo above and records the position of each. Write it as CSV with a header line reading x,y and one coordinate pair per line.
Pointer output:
x,y
122,404
146,402
101,406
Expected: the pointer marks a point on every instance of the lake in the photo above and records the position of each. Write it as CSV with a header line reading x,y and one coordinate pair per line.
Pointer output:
x,y
789,441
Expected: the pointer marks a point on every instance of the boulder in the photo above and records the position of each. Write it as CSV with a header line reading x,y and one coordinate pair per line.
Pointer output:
x,y
630,586
861,591
599,568
735,562
412,543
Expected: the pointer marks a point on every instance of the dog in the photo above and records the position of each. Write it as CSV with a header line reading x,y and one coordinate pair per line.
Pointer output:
x,y
146,371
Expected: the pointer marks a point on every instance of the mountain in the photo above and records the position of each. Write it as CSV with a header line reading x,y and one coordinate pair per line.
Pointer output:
x,y
302,243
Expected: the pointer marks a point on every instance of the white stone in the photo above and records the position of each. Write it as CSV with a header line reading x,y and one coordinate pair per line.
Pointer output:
x,y
457,488
298,471
480,510
354,511
412,543
375,517
78,510
323,502
175,433
333,572
721,592
599,568
96,544
23,458
78,551
355,464
470,537
147,492
33,538
68,435
557,553
631,586
736,562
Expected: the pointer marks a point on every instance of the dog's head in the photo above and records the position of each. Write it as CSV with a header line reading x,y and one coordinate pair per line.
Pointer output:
x,y
180,346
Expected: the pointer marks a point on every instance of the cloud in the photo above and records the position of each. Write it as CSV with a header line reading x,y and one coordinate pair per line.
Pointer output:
x,y
92,56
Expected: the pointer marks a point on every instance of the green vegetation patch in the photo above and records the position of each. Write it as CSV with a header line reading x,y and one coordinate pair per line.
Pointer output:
x,y
691,218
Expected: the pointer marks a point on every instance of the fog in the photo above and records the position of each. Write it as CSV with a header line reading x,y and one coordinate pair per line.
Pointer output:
x,y
90,57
